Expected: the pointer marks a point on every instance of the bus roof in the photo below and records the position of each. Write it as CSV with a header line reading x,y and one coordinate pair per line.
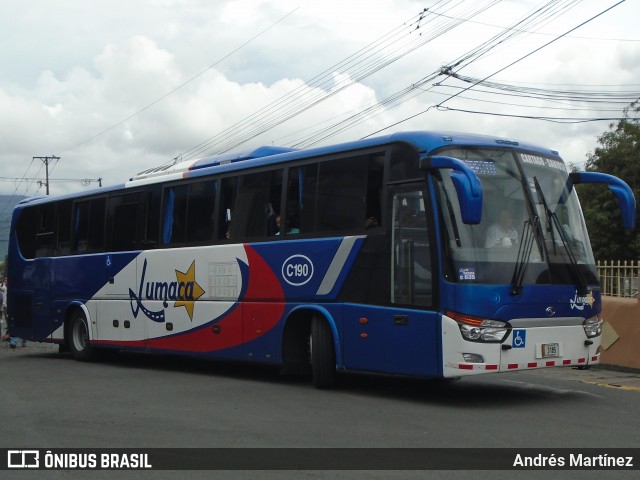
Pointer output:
x,y
423,141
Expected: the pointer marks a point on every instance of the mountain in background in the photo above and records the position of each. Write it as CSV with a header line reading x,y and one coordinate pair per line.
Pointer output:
x,y
7,202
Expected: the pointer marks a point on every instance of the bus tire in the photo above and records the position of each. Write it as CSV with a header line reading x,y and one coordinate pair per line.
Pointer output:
x,y
323,355
78,338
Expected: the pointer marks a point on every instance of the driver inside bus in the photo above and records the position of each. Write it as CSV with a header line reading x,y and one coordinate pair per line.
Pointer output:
x,y
502,233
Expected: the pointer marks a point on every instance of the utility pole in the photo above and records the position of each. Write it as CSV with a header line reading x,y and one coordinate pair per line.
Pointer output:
x,y
46,161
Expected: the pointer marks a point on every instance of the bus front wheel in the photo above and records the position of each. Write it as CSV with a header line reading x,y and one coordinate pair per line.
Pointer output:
x,y
78,338
323,356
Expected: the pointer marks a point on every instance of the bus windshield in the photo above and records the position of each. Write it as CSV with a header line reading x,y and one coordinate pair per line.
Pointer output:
x,y
532,230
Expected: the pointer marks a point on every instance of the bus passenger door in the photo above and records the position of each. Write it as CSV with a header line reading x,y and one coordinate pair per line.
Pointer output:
x,y
412,340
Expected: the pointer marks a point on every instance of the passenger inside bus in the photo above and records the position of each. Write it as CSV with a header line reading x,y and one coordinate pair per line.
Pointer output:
x,y
290,230
371,222
502,233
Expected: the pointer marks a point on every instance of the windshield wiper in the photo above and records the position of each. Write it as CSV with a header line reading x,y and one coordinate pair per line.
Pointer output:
x,y
554,224
524,253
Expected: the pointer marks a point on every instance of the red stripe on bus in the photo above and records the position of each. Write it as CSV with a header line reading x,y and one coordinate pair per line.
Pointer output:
x,y
262,283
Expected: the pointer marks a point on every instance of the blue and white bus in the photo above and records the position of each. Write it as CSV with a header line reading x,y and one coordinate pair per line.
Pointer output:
x,y
425,254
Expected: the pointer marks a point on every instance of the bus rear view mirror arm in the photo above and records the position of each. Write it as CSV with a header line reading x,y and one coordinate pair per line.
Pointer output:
x,y
467,184
620,188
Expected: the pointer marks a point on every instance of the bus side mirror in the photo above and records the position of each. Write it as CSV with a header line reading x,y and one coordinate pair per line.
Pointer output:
x,y
620,188
467,184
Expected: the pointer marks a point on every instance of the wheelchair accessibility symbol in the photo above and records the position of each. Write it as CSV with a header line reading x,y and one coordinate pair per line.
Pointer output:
x,y
519,338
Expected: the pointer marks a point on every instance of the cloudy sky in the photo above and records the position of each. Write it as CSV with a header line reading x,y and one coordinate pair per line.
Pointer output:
x,y
115,87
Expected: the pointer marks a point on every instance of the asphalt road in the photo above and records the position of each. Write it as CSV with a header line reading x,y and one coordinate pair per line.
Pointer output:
x,y
138,401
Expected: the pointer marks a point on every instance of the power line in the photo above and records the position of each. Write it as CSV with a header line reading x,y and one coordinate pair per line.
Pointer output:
x,y
15,192
277,110
449,70
532,117
182,84
537,49
356,67
598,39
52,180
537,17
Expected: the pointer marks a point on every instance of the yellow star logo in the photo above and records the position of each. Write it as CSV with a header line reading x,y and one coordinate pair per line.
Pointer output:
x,y
188,289
590,299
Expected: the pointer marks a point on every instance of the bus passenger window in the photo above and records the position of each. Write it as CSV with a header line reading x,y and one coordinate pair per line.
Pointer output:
x,y
341,194
151,218
258,197
200,211
97,217
227,223
89,218
26,232
309,180
45,237
334,195
293,202
225,210
174,200
122,220
374,192
64,228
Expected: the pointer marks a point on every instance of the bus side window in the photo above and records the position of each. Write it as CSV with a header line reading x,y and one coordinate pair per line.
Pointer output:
x,y
81,226
26,232
64,227
122,219
45,236
228,191
151,217
258,198
200,211
341,194
309,183
88,227
293,203
97,217
334,195
374,192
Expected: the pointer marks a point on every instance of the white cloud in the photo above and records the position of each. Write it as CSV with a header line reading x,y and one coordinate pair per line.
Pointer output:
x,y
69,72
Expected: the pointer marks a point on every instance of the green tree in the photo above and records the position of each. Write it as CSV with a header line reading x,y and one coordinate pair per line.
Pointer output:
x,y
618,154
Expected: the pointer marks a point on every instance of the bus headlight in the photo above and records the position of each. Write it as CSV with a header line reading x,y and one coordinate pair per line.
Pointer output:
x,y
592,326
475,329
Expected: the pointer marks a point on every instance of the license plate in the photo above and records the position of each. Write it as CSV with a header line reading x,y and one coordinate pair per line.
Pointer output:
x,y
550,350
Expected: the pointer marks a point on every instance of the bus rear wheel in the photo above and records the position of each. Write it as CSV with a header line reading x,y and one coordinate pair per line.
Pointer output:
x,y
323,355
78,338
